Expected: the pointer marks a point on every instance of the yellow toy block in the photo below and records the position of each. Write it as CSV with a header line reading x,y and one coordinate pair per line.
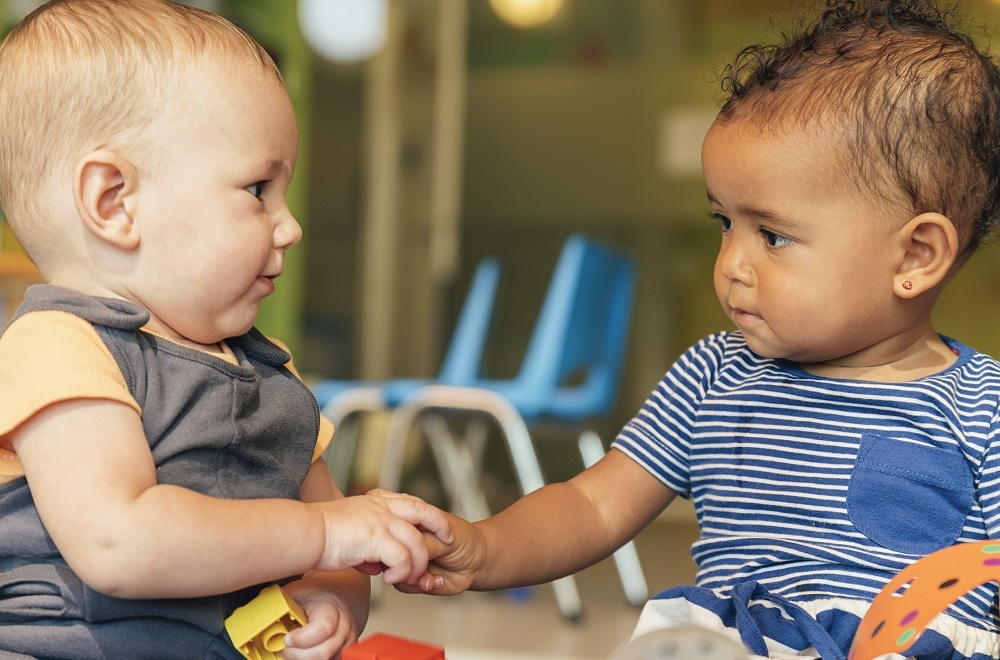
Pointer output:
x,y
258,628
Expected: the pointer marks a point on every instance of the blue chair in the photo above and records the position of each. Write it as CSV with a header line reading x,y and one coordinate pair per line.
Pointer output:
x,y
569,376
339,399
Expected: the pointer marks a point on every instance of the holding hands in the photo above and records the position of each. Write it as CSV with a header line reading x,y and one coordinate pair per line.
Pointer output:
x,y
383,532
455,566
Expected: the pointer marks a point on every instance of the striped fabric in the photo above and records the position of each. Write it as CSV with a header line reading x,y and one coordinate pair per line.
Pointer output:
x,y
822,489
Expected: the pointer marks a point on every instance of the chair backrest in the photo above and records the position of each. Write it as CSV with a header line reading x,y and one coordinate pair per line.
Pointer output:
x,y
463,358
575,355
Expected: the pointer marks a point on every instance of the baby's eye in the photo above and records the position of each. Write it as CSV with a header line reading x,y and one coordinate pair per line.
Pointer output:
x,y
726,223
774,240
257,189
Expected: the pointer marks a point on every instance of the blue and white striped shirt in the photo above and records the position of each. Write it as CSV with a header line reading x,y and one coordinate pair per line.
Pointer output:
x,y
821,488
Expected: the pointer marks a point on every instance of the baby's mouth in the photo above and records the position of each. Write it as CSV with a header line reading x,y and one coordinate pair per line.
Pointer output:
x,y
742,316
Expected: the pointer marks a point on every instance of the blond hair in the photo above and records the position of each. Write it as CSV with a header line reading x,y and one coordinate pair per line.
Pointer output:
x,y
80,75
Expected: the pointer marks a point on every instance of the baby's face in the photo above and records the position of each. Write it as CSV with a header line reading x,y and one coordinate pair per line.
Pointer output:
x,y
805,267
211,210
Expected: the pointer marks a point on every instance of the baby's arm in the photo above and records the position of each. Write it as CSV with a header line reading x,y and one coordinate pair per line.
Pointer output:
x,y
336,603
94,483
551,532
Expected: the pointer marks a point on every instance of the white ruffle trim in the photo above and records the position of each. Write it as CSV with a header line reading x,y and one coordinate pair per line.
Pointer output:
x,y
658,614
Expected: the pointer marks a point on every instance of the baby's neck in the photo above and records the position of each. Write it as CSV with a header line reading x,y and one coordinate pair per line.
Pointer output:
x,y
220,349
929,356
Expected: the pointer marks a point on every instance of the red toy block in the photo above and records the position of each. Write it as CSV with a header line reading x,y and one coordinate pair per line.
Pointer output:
x,y
381,646
370,647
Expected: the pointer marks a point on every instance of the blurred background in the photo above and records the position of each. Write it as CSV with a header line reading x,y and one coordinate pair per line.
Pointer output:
x,y
438,132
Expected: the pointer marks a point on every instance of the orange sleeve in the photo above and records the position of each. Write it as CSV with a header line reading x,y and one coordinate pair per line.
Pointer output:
x,y
50,357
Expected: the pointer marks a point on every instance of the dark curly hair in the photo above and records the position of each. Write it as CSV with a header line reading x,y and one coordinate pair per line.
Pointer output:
x,y
916,101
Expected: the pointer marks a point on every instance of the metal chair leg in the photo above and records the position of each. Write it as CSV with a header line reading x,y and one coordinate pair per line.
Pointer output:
x,y
626,557
526,468
339,456
530,475
459,465
400,424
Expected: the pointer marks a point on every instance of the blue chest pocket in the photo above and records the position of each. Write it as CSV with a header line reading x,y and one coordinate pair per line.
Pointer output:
x,y
907,497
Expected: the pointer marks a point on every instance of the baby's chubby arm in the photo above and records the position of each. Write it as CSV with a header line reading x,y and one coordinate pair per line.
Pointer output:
x,y
94,483
336,603
551,532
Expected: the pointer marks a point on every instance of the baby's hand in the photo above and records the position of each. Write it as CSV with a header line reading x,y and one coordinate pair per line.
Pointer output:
x,y
453,566
381,531
331,624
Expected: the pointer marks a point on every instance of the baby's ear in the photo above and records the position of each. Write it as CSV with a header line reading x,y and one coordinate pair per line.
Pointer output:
x,y
930,249
103,185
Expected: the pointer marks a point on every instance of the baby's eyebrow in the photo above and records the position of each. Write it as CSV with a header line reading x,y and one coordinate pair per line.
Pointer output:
x,y
273,166
757,213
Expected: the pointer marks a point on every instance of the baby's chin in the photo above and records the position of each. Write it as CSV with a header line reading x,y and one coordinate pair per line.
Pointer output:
x,y
213,336
774,351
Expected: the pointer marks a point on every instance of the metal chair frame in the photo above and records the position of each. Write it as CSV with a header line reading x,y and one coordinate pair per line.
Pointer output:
x,y
582,327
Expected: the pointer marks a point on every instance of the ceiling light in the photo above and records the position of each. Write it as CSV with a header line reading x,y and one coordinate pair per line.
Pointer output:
x,y
526,13
344,30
